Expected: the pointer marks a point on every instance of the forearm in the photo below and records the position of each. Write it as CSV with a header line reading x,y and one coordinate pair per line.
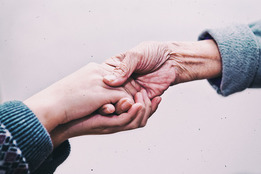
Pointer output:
x,y
45,105
239,47
195,60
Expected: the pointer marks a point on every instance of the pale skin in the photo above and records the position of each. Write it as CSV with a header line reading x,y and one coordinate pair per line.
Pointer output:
x,y
68,108
96,123
155,66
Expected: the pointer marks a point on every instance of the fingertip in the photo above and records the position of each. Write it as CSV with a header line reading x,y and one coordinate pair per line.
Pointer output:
x,y
145,94
155,103
113,80
136,107
128,117
138,97
110,109
123,105
159,100
143,91
126,105
110,79
107,109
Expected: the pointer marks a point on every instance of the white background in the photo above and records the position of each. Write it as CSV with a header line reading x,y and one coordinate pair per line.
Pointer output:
x,y
194,131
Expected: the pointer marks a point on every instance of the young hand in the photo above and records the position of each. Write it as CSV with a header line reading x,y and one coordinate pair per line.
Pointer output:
x,y
95,123
76,96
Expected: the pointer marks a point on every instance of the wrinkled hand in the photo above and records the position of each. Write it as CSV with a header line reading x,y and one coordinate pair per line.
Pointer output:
x,y
95,123
147,64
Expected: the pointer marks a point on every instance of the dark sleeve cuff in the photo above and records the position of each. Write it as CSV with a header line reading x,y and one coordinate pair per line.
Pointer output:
x,y
58,156
31,137
240,58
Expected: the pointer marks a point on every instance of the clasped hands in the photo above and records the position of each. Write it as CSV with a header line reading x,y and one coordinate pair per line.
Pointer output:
x,y
119,94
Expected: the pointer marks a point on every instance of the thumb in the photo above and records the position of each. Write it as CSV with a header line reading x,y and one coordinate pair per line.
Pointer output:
x,y
123,69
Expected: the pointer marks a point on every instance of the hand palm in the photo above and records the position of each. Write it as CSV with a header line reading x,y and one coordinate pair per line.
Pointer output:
x,y
156,82
148,65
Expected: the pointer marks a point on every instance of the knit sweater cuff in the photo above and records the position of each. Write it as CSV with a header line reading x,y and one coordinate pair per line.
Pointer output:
x,y
31,137
59,155
256,29
239,51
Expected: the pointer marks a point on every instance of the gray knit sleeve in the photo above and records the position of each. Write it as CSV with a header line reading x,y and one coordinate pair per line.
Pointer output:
x,y
240,49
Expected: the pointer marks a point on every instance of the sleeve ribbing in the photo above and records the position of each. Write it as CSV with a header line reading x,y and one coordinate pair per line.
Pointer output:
x,y
239,46
31,137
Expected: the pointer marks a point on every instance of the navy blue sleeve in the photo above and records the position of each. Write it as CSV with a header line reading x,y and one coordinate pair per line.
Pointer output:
x,y
31,139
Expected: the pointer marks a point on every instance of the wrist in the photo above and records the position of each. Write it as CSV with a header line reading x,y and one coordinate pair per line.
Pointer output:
x,y
59,135
195,60
46,108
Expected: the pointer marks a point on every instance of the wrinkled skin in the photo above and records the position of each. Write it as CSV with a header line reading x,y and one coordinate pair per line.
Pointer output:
x,y
158,81
147,64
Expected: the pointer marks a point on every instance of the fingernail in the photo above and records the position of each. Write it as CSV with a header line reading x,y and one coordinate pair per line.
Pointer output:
x,y
109,110
126,105
110,77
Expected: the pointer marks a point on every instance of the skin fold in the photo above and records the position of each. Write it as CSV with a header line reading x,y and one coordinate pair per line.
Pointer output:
x,y
154,66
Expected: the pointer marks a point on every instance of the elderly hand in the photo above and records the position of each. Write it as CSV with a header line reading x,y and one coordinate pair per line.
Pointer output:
x,y
156,65
147,64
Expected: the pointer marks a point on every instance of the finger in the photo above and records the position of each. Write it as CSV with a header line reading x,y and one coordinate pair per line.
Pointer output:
x,y
115,60
131,87
135,85
98,124
148,107
106,109
136,123
155,103
122,70
131,120
124,118
123,105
